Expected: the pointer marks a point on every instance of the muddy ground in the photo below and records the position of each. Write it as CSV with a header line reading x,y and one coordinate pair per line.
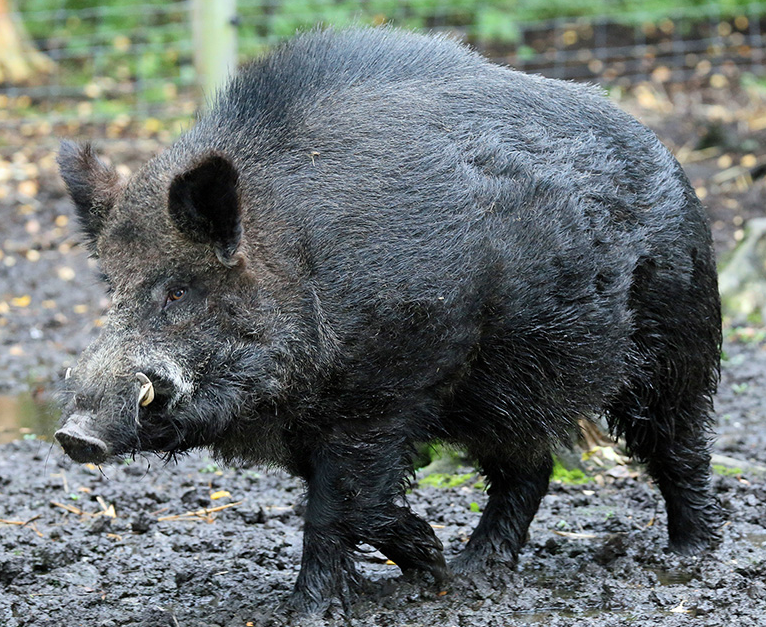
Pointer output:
x,y
192,544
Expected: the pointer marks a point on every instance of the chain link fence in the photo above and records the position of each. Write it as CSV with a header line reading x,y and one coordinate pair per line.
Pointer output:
x,y
114,58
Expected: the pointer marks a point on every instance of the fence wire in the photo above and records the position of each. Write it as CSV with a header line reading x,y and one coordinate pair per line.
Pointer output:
x,y
114,56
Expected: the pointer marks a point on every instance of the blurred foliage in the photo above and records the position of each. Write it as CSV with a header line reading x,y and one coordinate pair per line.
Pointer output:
x,y
726,471
573,476
130,41
444,480
123,42
135,57
483,21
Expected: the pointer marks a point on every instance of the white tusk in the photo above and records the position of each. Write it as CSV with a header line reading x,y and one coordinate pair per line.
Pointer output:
x,y
67,374
146,393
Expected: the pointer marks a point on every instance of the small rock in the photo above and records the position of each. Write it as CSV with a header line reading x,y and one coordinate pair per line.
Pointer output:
x,y
102,524
10,568
662,599
252,517
552,546
613,548
141,523
756,590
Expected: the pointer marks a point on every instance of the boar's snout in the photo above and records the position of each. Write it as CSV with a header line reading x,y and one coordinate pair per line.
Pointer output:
x,y
80,445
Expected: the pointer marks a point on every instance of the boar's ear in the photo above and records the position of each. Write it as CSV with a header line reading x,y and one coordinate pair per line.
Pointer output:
x,y
203,202
92,184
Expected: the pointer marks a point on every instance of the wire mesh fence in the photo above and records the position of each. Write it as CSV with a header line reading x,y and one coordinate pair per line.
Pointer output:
x,y
114,57
110,56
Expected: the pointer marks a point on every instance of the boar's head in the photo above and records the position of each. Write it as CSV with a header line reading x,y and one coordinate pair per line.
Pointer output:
x,y
194,345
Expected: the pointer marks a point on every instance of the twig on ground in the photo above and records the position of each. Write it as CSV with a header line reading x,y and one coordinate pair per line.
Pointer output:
x,y
200,514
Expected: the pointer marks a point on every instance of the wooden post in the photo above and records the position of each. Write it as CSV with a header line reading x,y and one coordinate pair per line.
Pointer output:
x,y
215,43
20,62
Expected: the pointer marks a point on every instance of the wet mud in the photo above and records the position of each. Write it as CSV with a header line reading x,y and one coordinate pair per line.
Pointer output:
x,y
193,544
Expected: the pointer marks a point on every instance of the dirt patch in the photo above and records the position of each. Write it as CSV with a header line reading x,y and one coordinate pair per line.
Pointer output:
x,y
193,544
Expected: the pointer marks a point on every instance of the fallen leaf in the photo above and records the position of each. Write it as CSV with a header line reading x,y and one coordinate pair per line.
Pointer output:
x,y
680,609
65,273
574,535
662,74
92,90
121,43
28,188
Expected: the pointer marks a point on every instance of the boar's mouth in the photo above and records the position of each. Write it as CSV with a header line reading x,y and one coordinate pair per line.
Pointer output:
x,y
149,410
98,429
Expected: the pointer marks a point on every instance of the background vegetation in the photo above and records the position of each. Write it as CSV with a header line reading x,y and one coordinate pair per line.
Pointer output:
x,y
145,41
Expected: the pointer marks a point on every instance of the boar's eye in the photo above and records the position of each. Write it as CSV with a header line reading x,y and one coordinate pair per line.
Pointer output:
x,y
174,295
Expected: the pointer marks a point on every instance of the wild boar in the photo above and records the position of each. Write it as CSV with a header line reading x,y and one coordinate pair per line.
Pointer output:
x,y
375,239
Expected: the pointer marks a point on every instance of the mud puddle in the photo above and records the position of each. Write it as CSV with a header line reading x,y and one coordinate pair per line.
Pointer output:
x,y
671,577
23,416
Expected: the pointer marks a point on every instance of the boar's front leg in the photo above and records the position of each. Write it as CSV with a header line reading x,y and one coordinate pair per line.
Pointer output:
x,y
515,491
355,490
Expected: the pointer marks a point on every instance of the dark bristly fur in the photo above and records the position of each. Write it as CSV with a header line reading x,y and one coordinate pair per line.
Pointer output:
x,y
375,239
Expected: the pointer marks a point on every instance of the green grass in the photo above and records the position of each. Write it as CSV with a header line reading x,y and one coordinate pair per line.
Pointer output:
x,y
439,480
571,477
726,471
211,468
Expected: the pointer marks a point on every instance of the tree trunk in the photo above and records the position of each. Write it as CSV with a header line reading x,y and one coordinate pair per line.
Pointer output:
x,y
20,62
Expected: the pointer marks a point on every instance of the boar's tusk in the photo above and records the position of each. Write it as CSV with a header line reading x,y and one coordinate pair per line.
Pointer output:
x,y
67,374
146,393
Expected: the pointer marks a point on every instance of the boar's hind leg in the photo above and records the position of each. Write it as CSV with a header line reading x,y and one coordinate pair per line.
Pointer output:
x,y
515,493
672,439
665,412
353,491
410,542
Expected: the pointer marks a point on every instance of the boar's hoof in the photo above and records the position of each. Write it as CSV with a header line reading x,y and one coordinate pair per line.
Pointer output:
x,y
146,393
80,446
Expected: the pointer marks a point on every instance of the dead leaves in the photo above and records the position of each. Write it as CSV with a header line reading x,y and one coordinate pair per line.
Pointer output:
x,y
106,510
204,514
27,523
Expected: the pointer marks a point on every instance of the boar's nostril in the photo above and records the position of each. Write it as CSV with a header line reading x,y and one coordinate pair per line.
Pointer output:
x,y
80,446
146,393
